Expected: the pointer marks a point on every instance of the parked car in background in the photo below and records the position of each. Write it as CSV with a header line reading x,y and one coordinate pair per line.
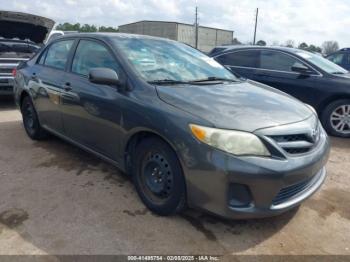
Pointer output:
x,y
54,34
21,36
183,126
306,76
341,58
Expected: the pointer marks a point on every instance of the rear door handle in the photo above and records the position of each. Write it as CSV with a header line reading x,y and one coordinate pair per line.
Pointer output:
x,y
67,87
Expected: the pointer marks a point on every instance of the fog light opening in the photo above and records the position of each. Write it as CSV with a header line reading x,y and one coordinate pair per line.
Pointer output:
x,y
239,196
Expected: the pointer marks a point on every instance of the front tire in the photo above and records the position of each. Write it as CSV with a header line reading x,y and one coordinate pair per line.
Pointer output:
x,y
336,118
31,121
158,177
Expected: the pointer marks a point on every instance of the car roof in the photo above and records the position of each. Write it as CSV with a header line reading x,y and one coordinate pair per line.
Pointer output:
x,y
342,50
345,49
103,35
227,49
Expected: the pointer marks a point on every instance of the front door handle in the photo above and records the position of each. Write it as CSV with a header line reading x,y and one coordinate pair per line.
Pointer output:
x,y
67,87
34,77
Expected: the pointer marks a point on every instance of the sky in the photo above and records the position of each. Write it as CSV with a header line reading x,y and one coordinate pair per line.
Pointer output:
x,y
310,21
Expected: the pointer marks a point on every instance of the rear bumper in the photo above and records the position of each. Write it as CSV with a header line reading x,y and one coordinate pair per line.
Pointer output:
x,y
6,86
254,187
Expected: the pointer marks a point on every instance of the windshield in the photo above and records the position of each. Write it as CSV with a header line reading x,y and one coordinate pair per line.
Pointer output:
x,y
322,63
157,60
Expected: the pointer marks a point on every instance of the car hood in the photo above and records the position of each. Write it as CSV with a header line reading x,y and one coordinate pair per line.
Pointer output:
x,y
24,26
245,106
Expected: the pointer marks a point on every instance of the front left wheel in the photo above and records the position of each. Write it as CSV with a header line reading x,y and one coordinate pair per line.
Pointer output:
x,y
31,121
158,177
336,118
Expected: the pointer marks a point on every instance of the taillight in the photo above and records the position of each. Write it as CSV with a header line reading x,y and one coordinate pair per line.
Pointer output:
x,y
14,72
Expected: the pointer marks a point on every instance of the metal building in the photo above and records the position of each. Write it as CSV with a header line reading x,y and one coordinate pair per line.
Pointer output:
x,y
208,37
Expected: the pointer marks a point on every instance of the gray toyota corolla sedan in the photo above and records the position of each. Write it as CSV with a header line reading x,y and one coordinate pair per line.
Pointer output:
x,y
188,131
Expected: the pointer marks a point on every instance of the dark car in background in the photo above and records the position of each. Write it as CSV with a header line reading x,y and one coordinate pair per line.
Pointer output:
x,y
21,36
341,58
183,126
309,77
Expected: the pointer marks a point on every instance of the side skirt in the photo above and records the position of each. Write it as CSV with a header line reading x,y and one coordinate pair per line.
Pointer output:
x,y
86,149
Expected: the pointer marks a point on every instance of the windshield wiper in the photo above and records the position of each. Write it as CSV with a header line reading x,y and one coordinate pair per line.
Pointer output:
x,y
167,81
213,78
178,82
338,73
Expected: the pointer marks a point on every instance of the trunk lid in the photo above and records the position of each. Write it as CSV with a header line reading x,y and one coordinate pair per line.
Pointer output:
x,y
16,25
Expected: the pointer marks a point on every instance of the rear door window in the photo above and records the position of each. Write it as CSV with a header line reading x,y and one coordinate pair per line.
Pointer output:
x,y
90,54
248,58
57,54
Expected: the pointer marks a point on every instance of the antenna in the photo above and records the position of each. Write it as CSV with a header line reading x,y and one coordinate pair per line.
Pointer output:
x,y
256,24
196,27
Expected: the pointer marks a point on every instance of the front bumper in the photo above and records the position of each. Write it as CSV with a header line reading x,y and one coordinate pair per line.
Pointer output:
x,y
252,187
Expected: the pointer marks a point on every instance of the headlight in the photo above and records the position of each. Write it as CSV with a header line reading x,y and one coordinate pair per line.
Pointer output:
x,y
234,142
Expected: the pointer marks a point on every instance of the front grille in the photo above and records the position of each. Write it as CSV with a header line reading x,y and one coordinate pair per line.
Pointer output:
x,y
294,151
290,138
8,64
6,88
12,60
294,190
6,71
296,144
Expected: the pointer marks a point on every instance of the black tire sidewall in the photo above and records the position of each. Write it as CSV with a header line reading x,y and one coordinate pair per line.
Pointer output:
x,y
176,201
37,132
326,115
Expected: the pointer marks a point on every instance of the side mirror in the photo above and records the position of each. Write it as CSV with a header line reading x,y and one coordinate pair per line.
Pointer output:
x,y
299,68
103,76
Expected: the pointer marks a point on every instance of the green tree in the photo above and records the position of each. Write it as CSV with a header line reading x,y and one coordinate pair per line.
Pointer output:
x,y
289,43
88,28
303,46
315,49
68,27
235,41
261,43
107,29
85,28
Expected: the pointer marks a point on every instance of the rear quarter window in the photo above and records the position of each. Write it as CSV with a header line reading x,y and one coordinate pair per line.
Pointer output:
x,y
240,58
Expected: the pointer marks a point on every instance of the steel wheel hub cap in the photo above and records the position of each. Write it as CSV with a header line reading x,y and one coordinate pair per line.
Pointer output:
x,y
158,176
340,119
29,117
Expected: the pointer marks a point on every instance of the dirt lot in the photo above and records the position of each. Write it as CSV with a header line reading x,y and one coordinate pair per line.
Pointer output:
x,y
57,199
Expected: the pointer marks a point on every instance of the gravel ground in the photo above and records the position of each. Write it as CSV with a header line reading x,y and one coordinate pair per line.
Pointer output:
x,y
57,199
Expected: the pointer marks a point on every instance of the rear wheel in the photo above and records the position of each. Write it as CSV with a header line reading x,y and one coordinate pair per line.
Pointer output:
x,y
31,121
158,177
336,118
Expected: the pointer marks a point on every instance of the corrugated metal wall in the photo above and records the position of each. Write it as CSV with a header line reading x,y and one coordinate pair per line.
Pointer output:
x,y
208,38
